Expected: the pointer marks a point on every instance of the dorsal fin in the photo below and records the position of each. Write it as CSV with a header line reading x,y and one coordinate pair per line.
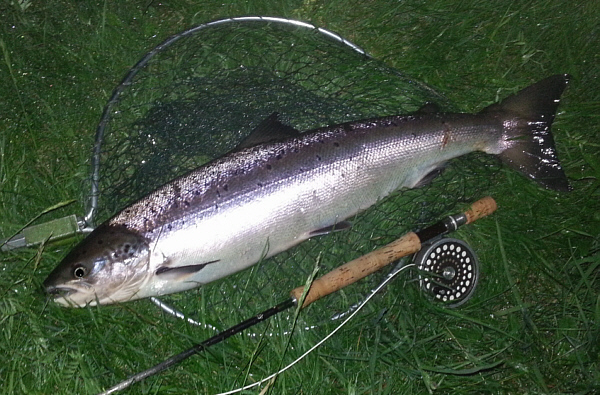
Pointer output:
x,y
268,130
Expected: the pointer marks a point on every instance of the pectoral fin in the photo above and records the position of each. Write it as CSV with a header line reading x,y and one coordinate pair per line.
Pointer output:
x,y
178,272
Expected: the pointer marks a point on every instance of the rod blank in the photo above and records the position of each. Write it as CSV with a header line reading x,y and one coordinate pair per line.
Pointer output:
x,y
333,281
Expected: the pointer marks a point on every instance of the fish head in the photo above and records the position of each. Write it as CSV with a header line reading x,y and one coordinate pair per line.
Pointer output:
x,y
108,266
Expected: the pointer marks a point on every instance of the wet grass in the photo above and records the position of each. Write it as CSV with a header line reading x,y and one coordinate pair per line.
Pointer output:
x,y
534,323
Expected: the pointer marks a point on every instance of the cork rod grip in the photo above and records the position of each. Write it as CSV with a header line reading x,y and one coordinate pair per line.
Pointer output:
x,y
481,208
359,268
365,265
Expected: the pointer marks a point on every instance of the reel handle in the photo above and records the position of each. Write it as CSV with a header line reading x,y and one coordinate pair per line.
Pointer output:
x,y
365,265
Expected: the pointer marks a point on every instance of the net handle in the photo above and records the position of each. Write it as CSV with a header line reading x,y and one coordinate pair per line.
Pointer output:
x,y
365,265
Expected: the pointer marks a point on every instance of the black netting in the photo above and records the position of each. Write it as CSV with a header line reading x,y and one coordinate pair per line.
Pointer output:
x,y
197,95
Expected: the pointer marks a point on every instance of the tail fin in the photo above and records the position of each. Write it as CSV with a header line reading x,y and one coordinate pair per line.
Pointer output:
x,y
528,116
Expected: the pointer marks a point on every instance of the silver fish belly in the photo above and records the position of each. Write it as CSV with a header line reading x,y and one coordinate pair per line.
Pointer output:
x,y
258,201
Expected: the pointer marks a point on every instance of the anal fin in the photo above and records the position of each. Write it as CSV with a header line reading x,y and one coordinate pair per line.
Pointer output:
x,y
429,177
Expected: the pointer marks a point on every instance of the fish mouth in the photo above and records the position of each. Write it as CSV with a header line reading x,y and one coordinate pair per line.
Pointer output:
x,y
59,292
67,296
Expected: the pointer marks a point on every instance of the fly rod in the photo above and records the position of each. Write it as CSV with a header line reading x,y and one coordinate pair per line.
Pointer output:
x,y
331,282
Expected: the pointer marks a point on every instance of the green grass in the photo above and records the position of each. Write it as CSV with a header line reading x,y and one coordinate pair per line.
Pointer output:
x,y
534,323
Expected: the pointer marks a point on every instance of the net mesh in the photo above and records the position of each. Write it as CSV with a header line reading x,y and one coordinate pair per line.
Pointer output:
x,y
197,95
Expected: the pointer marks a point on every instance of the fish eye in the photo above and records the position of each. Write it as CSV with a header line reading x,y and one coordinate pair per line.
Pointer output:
x,y
80,271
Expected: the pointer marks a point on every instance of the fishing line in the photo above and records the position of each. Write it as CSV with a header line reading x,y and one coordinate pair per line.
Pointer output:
x,y
355,306
333,332
442,255
178,314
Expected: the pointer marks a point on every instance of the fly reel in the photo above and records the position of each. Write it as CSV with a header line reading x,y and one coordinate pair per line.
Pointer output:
x,y
448,271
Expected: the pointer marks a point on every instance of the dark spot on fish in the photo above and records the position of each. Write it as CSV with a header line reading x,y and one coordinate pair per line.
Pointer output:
x,y
218,193
278,157
132,249
169,226
186,203
318,158
126,248
176,190
321,141
259,184
225,187
295,150
336,144
100,241
269,167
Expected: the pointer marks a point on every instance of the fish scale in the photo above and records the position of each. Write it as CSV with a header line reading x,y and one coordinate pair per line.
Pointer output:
x,y
280,187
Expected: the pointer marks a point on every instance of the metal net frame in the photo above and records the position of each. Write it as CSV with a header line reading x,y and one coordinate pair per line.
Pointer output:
x,y
199,93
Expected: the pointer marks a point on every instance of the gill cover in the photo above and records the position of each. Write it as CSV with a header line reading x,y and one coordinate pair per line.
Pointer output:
x,y
109,259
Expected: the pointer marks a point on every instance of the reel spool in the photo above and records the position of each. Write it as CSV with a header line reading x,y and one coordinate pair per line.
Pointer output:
x,y
449,271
